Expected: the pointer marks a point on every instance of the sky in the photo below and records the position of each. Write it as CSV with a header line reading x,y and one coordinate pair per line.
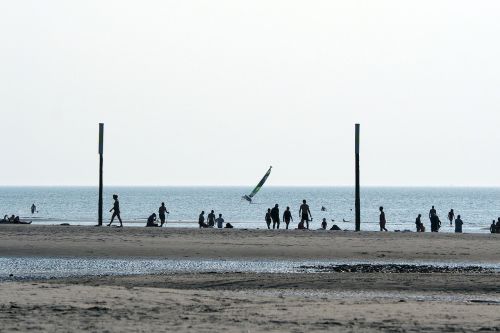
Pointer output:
x,y
214,92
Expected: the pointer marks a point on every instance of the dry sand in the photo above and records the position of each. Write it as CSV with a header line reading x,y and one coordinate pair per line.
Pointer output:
x,y
251,302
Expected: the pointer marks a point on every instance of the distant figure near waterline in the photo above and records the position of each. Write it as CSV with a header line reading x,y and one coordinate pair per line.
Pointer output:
x,y
152,221
419,224
268,218
116,211
458,225
432,212
33,209
287,217
201,220
305,213
451,217
323,208
229,226
493,227
383,221
161,212
211,219
275,216
498,226
435,223
323,224
220,221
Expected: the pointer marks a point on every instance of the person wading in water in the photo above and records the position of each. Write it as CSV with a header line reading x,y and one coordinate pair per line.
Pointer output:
x,y
305,213
116,211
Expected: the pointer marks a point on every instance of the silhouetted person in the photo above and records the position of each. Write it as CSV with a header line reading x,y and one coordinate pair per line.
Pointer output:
x,y
419,224
458,225
201,220
33,209
305,213
323,224
6,219
301,226
435,223
287,217
275,216
451,217
229,226
498,226
220,221
493,227
268,218
211,219
161,213
432,212
382,219
152,221
12,218
116,211
323,208
17,219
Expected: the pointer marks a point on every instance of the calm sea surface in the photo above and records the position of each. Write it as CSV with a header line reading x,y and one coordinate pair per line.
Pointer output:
x,y
78,205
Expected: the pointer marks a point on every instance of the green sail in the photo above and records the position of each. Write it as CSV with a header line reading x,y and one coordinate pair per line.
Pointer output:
x,y
259,186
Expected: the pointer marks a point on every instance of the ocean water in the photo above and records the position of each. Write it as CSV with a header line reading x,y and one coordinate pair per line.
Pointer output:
x,y
78,205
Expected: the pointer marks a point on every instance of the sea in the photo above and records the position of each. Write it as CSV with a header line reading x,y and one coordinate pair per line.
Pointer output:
x,y
78,205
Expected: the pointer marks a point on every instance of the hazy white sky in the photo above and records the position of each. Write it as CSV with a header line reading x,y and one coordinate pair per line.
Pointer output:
x,y
213,92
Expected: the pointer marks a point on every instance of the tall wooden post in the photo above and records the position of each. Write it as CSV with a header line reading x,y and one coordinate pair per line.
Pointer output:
x,y
358,196
101,160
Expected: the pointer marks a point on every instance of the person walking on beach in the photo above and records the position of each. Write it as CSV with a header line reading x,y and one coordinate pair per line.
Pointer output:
x,y
305,213
419,224
458,225
116,211
268,218
451,217
220,222
201,220
33,209
324,224
161,213
382,219
493,227
275,216
287,217
211,219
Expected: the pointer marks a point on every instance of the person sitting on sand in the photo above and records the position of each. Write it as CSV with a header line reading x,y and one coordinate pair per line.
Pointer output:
x,y
229,226
152,221
201,220
211,219
287,217
220,221
161,212
301,226
382,219
116,211
323,224
275,216
6,219
493,227
268,218
458,225
12,218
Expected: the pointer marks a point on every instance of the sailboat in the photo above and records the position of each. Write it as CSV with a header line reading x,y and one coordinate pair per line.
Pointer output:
x,y
258,187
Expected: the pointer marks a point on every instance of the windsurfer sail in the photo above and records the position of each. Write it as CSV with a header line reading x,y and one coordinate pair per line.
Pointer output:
x,y
258,187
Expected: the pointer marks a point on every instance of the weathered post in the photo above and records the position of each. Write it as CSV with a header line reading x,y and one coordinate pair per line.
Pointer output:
x,y
358,199
101,151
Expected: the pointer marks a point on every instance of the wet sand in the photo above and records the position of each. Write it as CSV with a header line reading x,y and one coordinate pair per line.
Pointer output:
x,y
333,301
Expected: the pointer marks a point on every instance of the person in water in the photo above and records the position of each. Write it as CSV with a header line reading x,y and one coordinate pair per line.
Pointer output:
x,y
458,225
211,219
287,217
419,224
323,224
116,211
305,213
201,220
268,218
220,221
152,221
451,217
33,209
493,227
162,211
275,216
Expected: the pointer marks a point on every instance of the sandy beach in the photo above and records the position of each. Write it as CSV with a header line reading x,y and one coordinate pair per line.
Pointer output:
x,y
249,301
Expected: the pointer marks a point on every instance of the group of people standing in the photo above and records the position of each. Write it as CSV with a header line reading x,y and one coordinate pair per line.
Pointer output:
x,y
273,216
